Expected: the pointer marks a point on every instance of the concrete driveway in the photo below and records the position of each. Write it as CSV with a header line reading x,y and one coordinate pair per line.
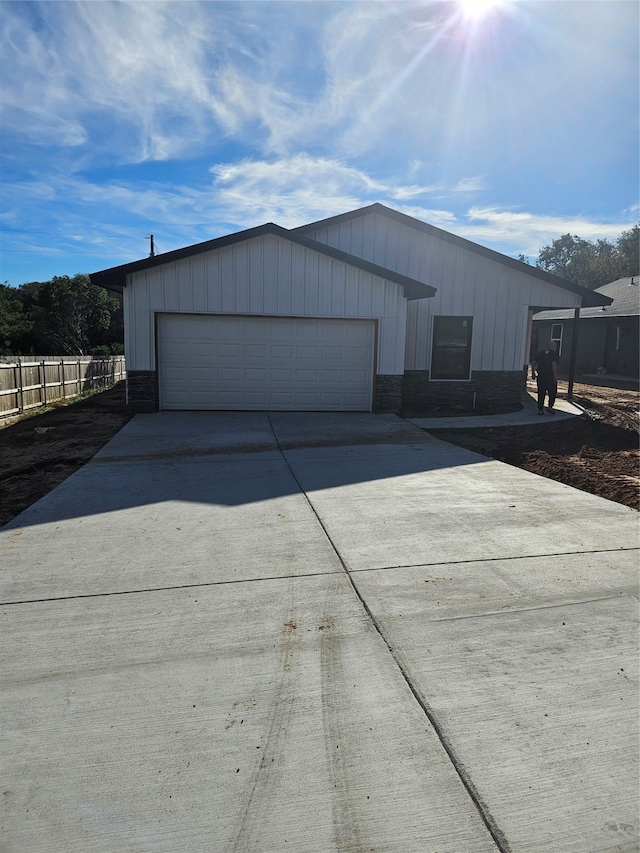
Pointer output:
x,y
316,633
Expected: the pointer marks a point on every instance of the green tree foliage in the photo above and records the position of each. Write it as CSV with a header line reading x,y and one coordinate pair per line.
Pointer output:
x,y
628,245
14,320
64,316
592,263
75,313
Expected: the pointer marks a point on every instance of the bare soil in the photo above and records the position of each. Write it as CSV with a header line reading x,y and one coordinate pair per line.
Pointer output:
x,y
41,450
597,452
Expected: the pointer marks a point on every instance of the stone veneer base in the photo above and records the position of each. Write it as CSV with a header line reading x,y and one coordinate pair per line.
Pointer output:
x,y
388,393
142,390
487,392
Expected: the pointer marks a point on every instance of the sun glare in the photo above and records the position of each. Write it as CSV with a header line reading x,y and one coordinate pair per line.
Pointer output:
x,y
474,10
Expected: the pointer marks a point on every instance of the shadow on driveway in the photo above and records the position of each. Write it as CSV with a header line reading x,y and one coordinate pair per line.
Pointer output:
x,y
234,458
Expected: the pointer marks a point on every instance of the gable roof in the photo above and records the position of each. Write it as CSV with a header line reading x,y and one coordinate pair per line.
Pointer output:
x,y
589,297
625,293
115,278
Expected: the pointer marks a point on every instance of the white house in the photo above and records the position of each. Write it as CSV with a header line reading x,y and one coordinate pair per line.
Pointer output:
x,y
371,310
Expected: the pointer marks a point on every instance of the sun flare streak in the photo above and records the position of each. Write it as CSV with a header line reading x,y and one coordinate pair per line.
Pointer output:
x,y
475,10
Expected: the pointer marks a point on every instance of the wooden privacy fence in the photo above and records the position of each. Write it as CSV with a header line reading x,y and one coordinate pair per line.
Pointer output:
x,y
27,381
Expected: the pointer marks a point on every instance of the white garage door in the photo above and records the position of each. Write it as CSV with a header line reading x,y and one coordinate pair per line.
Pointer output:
x,y
265,363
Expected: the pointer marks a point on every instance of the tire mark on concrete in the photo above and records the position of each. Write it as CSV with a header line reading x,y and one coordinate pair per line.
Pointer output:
x,y
348,821
264,781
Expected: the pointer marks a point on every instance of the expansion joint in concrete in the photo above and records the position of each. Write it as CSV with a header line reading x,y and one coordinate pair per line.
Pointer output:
x,y
509,559
487,818
147,590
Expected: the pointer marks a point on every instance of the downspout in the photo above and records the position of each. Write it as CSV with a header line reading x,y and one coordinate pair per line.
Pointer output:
x,y
574,350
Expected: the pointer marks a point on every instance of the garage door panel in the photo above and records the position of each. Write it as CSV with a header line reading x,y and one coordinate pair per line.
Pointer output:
x,y
228,350
306,375
307,354
228,374
281,351
228,362
279,374
356,377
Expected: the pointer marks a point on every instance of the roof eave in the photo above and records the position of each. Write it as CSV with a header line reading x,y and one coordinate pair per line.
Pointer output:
x,y
115,278
593,299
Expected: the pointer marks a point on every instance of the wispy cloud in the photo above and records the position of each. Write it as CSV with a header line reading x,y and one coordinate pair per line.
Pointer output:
x,y
196,118
470,185
290,192
161,72
529,232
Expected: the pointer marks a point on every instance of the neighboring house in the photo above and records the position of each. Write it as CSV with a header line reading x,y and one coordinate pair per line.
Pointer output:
x,y
608,339
372,310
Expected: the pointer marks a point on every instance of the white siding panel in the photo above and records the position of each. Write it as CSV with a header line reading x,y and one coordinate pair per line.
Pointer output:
x,y
325,285
256,279
212,271
338,285
310,284
226,283
185,293
162,288
241,287
284,279
198,283
270,277
129,327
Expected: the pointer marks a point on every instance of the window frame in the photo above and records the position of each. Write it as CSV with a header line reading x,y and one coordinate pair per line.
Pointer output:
x,y
555,337
440,375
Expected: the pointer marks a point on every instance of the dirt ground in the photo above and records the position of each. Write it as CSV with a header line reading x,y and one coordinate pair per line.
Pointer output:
x,y
40,451
597,452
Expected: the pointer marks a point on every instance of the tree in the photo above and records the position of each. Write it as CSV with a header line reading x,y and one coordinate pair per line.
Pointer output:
x,y
73,315
567,257
591,264
628,245
15,322
64,316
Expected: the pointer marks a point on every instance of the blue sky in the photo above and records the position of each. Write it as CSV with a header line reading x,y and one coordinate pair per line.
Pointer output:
x,y
192,120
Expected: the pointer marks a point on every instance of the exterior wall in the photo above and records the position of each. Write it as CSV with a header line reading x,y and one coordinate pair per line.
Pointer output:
x,y
624,358
487,392
597,341
497,296
388,394
270,276
142,390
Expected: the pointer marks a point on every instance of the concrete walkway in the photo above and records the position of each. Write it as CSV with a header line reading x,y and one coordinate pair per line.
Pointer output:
x,y
316,633
564,410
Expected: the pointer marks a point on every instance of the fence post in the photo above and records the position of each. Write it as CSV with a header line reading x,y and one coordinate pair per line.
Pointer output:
x,y
19,385
44,383
61,375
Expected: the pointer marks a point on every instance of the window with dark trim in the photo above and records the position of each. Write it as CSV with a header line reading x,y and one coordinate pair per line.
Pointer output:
x,y
451,352
556,335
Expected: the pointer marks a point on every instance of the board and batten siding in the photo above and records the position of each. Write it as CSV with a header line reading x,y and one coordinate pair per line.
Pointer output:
x,y
266,275
496,295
